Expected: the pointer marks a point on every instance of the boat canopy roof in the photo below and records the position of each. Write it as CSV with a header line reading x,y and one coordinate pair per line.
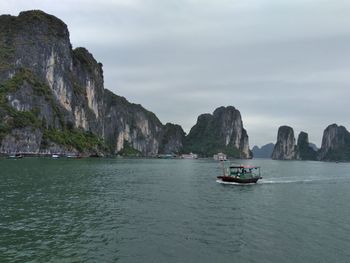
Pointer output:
x,y
244,166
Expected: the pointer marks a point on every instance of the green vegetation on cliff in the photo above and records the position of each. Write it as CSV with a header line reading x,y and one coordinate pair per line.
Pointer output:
x,y
86,59
129,151
53,25
79,139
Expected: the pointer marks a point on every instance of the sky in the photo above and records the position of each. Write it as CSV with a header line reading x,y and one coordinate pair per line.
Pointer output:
x,y
279,62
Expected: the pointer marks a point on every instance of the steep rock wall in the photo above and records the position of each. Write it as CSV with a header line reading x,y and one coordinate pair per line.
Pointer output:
x,y
305,151
40,74
335,144
127,122
285,148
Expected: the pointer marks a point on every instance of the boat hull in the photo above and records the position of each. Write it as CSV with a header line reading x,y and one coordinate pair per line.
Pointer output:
x,y
238,180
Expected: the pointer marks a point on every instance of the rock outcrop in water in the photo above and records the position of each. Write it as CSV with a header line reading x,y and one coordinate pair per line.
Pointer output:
x,y
305,151
285,148
221,131
52,97
335,144
264,152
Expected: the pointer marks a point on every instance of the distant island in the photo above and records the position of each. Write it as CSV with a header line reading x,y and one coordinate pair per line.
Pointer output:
x,y
264,152
335,145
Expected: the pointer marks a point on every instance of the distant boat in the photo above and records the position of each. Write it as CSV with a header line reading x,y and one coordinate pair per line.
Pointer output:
x,y
72,155
15,156
55,156
241,174
166,156
220,157
189,156
96,155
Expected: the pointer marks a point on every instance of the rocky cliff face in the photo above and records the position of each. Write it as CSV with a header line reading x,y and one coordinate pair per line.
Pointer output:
x,y
285,148
305,151
126,122
52,97
50,94
39,45
130,123
335,144
173,139
221,131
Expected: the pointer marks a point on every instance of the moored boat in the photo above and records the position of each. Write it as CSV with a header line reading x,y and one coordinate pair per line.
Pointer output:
x,y
166,156
220,157
189,156
15,156
241,174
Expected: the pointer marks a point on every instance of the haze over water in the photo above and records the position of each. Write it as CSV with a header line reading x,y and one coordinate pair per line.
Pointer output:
x,y
149,210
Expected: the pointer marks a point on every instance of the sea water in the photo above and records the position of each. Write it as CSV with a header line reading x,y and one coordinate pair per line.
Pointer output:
x,y
150,210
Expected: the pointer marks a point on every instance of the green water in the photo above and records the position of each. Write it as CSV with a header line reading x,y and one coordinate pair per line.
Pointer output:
x,y
108,210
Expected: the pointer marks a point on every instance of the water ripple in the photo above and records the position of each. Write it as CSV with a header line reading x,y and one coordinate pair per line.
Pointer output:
x,y
171,211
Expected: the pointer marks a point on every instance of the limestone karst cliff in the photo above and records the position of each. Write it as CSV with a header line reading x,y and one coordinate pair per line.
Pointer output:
x,y
173,139
221,131
130,123
335,144
285,148
49,92
305,151
52,97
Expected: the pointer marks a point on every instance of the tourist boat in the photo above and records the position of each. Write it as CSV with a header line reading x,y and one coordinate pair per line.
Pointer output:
x,y
55,156
241,174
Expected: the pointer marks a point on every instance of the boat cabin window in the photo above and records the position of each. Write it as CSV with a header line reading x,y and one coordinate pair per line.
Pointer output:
x,y
244,172
241,170
236,170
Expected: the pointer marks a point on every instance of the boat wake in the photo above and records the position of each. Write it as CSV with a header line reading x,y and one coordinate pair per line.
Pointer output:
x,y
285,182
232,183
263,181
294,181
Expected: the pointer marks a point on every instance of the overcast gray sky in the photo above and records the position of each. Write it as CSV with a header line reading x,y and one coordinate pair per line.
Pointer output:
x,y
280,62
